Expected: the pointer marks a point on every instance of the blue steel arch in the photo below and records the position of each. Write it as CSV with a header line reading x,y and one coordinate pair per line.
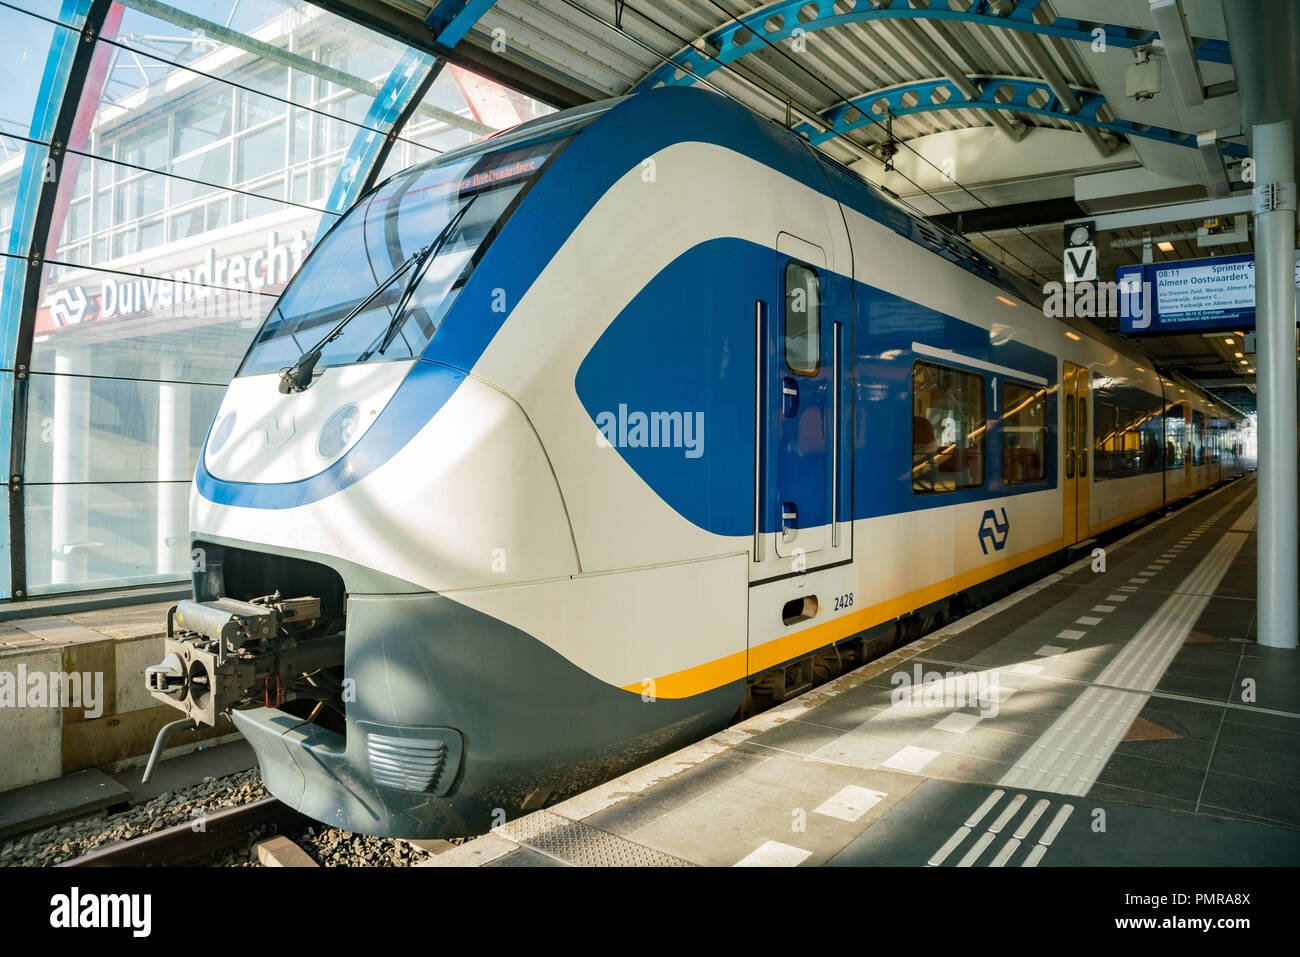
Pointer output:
x,y
751,34
860,111
408,79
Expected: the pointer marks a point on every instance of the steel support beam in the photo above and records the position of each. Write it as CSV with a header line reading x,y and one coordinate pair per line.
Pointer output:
x,y
1173,214
450,20
1016,94
1265,34
1032,48
549,87
777,21
1177,41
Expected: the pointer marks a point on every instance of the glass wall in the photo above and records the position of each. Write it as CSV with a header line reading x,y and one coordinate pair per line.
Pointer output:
x,y
213,141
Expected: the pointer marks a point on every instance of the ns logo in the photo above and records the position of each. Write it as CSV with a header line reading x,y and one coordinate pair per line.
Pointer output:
x,y
994,531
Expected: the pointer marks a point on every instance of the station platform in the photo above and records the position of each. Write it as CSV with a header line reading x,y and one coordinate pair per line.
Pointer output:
x,y
68,753
1116,717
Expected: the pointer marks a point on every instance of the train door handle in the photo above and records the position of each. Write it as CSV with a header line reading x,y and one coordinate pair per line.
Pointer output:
x,y
789,397
789,522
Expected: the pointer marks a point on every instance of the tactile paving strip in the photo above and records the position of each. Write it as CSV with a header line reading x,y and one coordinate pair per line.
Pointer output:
x,y
581,844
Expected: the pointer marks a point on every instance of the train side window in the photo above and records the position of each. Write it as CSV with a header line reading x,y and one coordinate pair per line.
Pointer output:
x,y
802,319
1024,433
948,429
1107,425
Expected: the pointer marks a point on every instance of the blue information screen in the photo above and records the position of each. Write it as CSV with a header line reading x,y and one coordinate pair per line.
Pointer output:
x,y
1195,295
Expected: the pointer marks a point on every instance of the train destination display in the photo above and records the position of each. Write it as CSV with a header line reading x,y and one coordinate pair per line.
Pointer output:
x,y
1196,295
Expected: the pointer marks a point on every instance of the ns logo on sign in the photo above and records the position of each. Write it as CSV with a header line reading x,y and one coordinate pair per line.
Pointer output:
x,y
994,532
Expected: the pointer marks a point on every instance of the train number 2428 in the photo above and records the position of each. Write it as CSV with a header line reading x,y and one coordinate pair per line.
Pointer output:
x,y
843,601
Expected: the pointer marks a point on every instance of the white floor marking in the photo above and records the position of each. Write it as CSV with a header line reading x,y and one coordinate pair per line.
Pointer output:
x,y
1028,823
1127,588
1025,668
911,759
1048,651
974,853
1004,855
989,803
998,827
1070,754
1071,634
952,843
958,723
1007,814
1104,609
1058,822
774,854
1139,580
1087,620
850,803
1117,597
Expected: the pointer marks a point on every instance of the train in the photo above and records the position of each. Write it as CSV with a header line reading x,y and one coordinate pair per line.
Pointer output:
x,y
567,447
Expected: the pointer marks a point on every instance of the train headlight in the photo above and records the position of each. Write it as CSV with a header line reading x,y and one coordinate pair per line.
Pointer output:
x,y
338,430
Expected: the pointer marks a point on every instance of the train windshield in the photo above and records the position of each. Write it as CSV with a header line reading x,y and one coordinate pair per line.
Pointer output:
x,y
472,193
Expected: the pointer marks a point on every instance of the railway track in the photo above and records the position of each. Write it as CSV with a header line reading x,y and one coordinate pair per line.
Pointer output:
x,y
186,842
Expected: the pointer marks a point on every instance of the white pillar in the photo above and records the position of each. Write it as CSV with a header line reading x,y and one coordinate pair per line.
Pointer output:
x,y
172,526
69,437
1275,325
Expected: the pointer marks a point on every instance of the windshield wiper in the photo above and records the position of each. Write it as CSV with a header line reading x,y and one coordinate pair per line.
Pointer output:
x,y
399,313
297,377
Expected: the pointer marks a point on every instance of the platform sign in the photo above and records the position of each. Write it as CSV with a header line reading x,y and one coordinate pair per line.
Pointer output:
x,y
1080,259
1195,295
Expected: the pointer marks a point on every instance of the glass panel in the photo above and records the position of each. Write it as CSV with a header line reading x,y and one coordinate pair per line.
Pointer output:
x,y
85,429
139,224
1174,427
403,155
377,243
462,106
102,536
69,12
948,429
109,324
21,171
194,123
13,272
31,85
1024,433
802,319
301,52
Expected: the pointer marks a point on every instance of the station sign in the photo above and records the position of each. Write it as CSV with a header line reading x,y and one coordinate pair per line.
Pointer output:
x,y
1195,295
1080,258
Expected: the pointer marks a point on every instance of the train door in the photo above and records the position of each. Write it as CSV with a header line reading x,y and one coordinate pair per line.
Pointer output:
x,y
1077,442
1189,451
801,413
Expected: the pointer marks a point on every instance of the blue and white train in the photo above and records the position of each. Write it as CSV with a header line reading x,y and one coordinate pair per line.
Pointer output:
x,y
564,448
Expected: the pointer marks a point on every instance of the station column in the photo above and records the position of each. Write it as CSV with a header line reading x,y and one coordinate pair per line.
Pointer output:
x,y
1275,323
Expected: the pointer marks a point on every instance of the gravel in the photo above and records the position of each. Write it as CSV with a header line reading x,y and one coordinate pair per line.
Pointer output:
x,y
328,846
61,842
